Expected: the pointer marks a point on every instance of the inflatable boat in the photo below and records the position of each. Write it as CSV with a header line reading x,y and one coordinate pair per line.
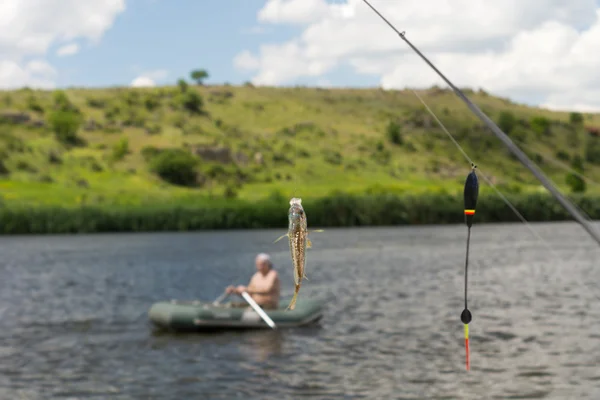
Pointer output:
x,y
197,315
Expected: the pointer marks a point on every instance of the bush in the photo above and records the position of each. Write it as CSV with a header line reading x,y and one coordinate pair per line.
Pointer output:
x,y
540,125
507,121
519,134
3,169
575,181
153,129
96,103
183,85
332,157
151,102
393,133
120,149
192,102
175,166
576,118
592,150
562,155
149,152
65,125
337,210
34,105
62,102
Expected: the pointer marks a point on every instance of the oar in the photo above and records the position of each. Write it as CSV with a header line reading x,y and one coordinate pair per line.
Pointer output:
x,y
219,299
258,310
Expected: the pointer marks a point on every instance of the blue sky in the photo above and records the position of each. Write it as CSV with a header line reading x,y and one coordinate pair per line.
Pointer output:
x,y
174,36
161,35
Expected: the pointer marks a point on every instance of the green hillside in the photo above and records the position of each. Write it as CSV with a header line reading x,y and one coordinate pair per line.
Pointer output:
x,y
190,144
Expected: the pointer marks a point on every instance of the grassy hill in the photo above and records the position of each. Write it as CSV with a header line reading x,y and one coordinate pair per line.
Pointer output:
x,y
195,145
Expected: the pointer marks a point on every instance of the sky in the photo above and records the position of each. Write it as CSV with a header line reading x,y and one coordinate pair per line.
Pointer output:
x,y
543,52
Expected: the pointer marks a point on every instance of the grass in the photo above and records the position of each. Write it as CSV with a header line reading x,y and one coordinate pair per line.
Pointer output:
x,y
250,144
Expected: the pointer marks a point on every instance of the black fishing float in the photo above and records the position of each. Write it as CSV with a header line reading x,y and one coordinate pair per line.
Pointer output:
x,y
471,193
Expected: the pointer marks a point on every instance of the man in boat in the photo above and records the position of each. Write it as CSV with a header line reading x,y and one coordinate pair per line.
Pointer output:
x,y
264,286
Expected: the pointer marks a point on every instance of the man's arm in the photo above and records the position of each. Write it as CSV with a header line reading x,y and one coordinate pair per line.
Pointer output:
x,y
247,289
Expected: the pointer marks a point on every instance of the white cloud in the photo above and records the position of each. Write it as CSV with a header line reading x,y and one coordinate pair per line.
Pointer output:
x,y
149,78
245,60
37,73
523,50
68,50
29,27
143,81
293,11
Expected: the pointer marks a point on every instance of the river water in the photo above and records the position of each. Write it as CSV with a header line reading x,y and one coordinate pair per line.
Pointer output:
x,y
74,316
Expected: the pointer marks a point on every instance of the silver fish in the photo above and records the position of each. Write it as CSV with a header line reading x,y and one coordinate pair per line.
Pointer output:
x,y
299,242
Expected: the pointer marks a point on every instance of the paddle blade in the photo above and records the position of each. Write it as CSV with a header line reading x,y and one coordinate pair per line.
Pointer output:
x,y
258,310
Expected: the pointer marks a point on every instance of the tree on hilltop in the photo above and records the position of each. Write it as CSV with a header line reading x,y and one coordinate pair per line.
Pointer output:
x,y
199,75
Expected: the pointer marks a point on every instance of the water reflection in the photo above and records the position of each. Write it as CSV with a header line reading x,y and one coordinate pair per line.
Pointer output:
x,y
260,346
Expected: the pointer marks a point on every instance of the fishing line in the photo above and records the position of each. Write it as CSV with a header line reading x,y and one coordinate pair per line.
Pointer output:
x,y
501,195
488,181
571,170
565,167
296,162
568,205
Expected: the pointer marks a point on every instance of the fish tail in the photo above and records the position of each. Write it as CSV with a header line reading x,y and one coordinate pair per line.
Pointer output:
x,y
293,302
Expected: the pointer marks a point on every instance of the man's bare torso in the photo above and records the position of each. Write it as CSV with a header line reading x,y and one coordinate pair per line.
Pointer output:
x,y
265,283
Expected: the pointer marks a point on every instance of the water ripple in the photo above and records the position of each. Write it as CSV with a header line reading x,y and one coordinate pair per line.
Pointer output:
x,y
74,322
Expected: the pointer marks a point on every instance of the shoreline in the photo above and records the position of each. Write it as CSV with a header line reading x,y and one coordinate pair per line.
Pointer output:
x,y
336,211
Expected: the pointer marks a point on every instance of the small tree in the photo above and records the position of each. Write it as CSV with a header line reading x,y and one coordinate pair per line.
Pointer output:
x,y
507,121
592,150
393,132
540,125
65,125
120,149
175,166
183,85
576,118
199,75
575,181
62,102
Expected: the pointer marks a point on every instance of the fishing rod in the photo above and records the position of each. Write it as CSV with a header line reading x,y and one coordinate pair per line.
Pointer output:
x,y
570,207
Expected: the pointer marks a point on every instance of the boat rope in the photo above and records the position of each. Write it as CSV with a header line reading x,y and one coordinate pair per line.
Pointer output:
x,y
568,205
